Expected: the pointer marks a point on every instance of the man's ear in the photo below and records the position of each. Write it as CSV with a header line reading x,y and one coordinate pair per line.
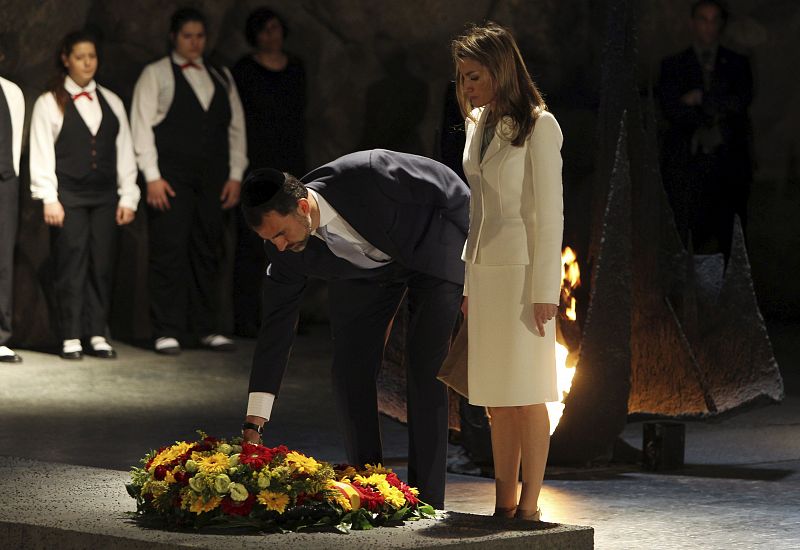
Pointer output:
x,y
303,206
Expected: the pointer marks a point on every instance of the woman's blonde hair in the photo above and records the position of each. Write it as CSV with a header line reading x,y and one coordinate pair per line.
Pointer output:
x,y
516,96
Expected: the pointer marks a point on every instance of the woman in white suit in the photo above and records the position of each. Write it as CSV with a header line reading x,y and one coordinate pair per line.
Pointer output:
x,y
512,161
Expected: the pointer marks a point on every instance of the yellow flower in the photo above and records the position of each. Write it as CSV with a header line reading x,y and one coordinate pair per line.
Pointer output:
x,y
376,469
393,496
273,501
170,477
200,505
302,464
342,494
215,464
169,454
155,488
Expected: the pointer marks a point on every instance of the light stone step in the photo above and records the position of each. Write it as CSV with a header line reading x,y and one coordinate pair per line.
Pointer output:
x,y
48,506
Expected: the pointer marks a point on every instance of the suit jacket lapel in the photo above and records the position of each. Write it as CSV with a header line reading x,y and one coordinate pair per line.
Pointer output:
x,y
497,143
474,141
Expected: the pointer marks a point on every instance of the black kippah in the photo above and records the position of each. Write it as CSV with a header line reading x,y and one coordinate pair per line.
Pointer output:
x,y
261,185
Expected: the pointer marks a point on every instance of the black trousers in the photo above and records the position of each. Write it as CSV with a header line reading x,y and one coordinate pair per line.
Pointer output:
x,y
361,310
186,248
9,210
83,260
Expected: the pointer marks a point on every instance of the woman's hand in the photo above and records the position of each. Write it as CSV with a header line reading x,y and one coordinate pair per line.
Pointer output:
x,y
230,194
157,192
464,305
54,214
543,313
124,215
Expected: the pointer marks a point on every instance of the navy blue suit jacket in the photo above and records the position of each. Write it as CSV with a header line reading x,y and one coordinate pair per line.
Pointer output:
x,y
412,208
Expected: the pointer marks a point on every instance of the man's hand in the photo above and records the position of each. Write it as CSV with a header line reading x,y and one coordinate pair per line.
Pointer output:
x,y
124,215
252,436
54,214
230,194
464,306
157,194
543,313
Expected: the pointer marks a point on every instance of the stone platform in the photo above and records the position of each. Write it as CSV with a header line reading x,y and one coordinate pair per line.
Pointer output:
x,y
47,505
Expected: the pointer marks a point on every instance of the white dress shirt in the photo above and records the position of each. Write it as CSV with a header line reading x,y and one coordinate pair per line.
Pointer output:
x,y
152,98
16,108
46,123
260,403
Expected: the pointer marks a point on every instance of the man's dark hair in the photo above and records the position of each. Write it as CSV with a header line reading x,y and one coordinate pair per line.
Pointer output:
x,y
720,5
257,20
184,15
267,190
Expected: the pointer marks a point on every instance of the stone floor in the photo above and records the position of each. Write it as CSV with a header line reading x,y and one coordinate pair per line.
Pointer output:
x,y
741,488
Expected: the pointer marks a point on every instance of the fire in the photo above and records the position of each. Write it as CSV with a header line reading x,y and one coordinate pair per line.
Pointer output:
x,y
571,279
564,374
565,360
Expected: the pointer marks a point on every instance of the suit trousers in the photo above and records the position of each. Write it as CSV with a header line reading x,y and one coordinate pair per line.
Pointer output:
x,y
83,252
9,210
186,248
361,310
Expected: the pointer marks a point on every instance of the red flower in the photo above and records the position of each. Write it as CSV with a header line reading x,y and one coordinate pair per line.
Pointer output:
x,y
233,508
182,478
410,497
393,480
255,456
280,450
160,473
371,499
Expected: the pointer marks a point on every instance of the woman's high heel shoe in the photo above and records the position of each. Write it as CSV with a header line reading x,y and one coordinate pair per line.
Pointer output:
x,y
528,515
505,512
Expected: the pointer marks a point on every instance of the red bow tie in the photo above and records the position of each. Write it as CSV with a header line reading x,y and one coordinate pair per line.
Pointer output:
x,y
191,64
83,94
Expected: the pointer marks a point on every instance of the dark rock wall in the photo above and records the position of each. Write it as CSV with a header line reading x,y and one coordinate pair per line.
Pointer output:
x,y
377,73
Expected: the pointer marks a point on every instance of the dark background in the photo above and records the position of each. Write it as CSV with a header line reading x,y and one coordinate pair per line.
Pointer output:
x,y
377,73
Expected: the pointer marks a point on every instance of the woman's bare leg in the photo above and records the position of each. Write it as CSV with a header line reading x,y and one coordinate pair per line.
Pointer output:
x,y
506,449
534,428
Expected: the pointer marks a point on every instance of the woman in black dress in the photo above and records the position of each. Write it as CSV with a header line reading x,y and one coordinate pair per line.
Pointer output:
x,y
272,86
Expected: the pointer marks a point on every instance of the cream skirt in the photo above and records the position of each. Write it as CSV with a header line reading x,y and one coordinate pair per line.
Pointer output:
x,y
509,364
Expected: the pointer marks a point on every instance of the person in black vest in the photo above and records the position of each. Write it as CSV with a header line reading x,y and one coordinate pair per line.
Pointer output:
x,y
272,85
12,117
705,92
84,172
377,225
189,136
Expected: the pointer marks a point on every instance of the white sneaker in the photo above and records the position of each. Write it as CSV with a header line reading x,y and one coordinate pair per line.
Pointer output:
x,y
167,346
217,342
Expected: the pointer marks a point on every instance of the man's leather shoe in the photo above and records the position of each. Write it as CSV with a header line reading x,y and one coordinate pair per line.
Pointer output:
x,y
72,355
10,358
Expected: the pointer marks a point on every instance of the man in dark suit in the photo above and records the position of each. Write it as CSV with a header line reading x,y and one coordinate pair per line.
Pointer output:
x,y
705,92
377,225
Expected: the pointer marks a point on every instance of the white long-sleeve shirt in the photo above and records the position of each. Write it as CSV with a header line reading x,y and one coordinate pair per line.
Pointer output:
x,y
16,108
46,123
152,98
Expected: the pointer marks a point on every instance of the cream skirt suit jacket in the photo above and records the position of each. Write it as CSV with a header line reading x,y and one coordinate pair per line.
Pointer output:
x,y
513,260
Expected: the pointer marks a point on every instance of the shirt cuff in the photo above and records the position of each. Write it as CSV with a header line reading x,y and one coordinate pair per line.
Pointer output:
x,y
129,203
260,404
151,173
236,174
